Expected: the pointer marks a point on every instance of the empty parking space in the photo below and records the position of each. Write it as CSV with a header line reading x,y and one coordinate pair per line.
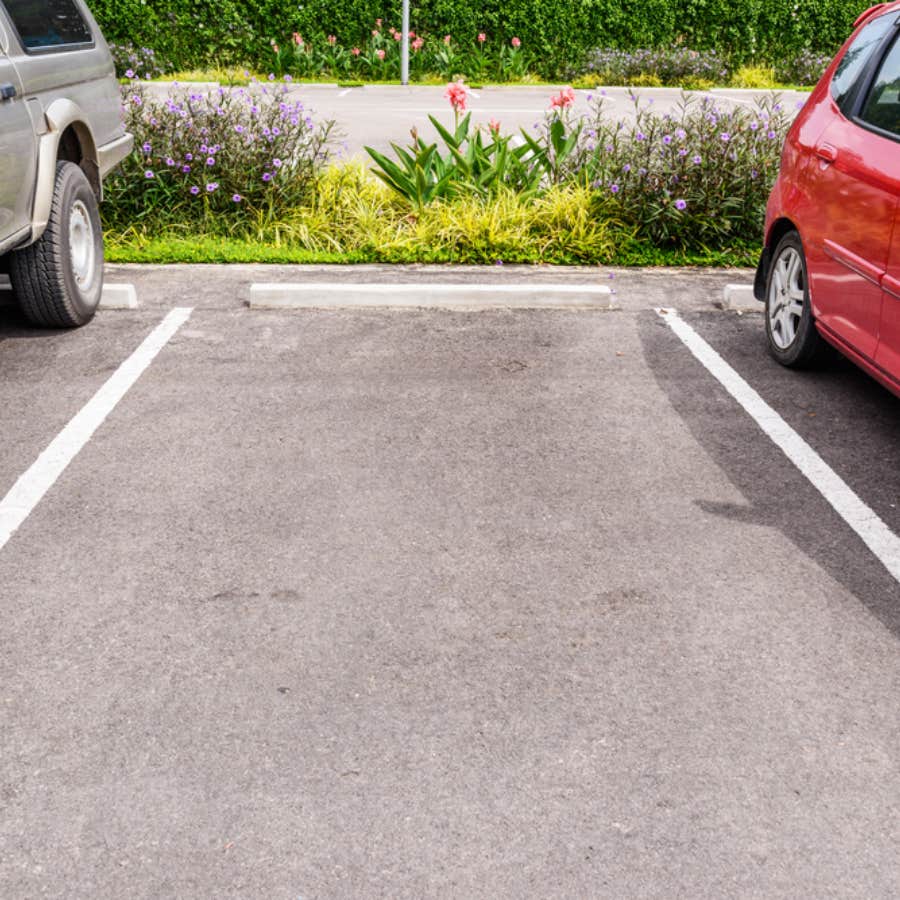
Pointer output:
x,y
420,602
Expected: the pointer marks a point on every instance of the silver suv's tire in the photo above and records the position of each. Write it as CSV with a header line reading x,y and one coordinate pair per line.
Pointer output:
x,y
58,279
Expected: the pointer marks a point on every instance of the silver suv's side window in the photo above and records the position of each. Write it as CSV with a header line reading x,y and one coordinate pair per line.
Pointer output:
x,y
882,106
850,69
47,25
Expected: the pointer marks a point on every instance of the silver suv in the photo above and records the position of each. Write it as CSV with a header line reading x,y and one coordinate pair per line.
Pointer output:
x,y
61,132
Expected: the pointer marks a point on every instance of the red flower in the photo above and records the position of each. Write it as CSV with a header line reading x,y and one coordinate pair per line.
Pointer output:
x,y
482,37
516,43
457,93
563,100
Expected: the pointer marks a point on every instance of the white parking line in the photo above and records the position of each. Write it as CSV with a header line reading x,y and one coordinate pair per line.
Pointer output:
x,y
27,492
863,520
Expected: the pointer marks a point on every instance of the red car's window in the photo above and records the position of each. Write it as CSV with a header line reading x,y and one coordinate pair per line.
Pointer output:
x,y
851,67
882,106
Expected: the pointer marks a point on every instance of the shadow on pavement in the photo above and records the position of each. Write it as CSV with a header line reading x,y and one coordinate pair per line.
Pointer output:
x,y
857,433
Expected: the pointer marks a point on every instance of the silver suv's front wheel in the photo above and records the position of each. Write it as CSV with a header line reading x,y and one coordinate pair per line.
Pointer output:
x,y
58,279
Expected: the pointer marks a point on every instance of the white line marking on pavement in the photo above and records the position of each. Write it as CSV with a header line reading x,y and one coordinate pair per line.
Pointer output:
x,y
27,492
344,93
863,520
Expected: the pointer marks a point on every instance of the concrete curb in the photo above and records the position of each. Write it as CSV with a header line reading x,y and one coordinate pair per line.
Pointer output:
x,y
118,296
370,295
739,298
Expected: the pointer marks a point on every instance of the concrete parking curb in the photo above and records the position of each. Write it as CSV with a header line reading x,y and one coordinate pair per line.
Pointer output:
x,y
118,296
340,295
739,298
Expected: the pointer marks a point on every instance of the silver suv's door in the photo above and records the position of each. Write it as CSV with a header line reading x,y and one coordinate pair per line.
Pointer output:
x,y
17,154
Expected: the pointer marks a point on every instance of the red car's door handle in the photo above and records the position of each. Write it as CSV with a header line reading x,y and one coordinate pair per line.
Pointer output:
x,y
827,153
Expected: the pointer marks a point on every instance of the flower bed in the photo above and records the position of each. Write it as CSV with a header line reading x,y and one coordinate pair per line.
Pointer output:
x,y
249,165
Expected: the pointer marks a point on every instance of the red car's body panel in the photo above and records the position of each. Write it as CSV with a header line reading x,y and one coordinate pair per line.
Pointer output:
x,y
839,187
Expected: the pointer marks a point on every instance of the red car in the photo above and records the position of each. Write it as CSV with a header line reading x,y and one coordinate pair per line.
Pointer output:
x,y
830,270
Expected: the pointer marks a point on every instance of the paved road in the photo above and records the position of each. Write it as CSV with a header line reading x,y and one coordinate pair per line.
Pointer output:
x,y
375,115
418,604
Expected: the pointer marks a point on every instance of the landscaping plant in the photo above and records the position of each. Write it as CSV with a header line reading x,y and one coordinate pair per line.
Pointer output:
x,y
211,157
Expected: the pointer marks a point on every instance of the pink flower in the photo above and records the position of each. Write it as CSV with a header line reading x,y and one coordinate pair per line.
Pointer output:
x,y
355,51
457,93
379,54
332,39
412,34
374,33
378,22
398,36
516,43
494,127
563,100
447,39
417,44
298,40
482,37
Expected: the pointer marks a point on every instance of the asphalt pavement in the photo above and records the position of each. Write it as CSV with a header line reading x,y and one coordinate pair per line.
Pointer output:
x,y
509,603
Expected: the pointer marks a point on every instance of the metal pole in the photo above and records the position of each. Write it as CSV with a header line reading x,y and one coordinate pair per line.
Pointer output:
x,y
404,45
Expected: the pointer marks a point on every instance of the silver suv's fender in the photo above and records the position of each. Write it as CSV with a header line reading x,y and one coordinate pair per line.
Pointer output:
x,y
59,116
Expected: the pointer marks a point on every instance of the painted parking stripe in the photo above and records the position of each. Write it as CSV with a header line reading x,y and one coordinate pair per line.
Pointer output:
x,y
863,520
27,492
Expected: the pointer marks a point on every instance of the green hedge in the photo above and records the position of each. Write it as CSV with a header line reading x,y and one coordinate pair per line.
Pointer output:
x,y
557,32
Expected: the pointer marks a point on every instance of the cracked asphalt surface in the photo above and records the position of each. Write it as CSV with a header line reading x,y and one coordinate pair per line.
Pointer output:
x,y
439,604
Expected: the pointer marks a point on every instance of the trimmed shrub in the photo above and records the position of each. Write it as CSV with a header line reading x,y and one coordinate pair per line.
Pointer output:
x,y
558,33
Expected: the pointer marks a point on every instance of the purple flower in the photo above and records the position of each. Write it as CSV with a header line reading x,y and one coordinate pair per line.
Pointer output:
x,y
195,190
169,161
146,148
667,139
237,198
640,136
239,129
129,73
212,186
149,174
697,160
682,152
276,163
267,176
185,169
210,160
286,78
271,77
725,136
614,189
771,135
189,157
626,168
754,125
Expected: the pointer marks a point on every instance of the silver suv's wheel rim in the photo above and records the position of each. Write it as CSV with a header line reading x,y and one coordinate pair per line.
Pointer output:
x,y
82,251
787,294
